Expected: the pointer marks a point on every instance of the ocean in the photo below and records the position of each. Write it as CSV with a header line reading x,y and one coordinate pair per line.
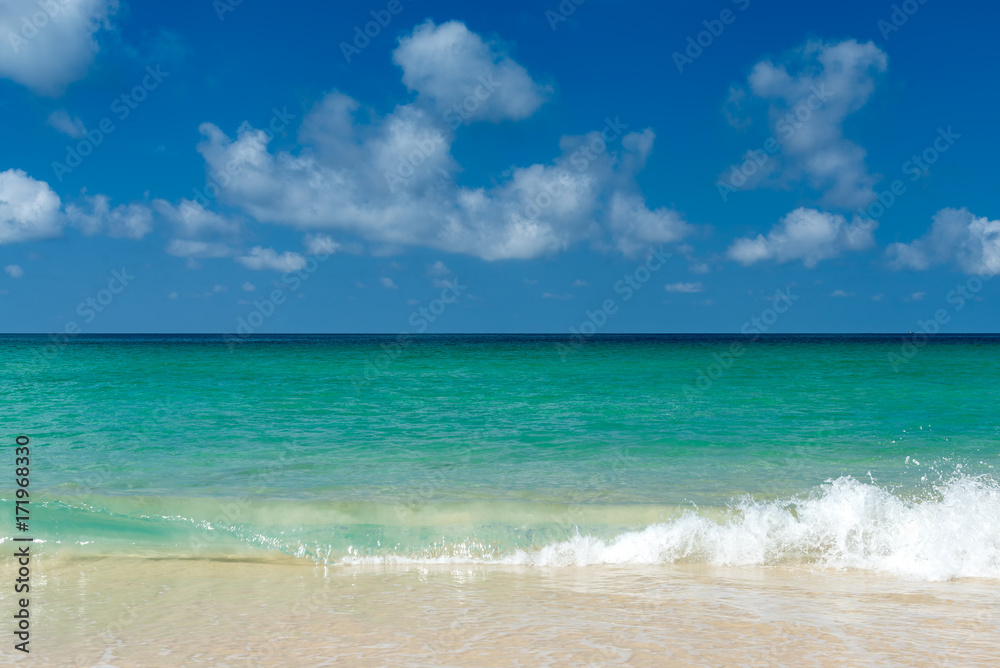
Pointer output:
x,y
617,459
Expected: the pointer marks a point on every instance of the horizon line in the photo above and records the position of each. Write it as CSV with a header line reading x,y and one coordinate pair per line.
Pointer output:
x,y
425,334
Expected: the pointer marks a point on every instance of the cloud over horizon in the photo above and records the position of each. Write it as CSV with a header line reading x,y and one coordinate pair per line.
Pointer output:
x,y
808,95
956,236
394,181
807,235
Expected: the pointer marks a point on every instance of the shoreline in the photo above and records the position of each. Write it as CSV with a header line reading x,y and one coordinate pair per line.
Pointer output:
x,y
129,611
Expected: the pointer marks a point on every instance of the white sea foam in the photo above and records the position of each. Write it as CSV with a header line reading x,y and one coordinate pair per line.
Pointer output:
x,y
847,524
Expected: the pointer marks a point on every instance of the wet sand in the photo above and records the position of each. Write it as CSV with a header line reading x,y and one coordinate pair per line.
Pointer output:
x,y
140,611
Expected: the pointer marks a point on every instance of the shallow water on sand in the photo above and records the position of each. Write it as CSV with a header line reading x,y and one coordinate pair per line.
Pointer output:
x,y
122,612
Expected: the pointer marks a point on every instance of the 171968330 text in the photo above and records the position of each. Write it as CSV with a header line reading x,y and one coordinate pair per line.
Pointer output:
x,y
22,583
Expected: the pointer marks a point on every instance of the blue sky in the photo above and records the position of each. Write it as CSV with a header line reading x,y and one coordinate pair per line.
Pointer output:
x,y
498,167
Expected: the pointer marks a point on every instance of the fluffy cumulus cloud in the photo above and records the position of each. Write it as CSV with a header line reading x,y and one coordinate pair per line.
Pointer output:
x,y
637,228
392,180
96,216
191,220
260,258
29,209
455,71
198,233
956,235
808,96
807,235
48,45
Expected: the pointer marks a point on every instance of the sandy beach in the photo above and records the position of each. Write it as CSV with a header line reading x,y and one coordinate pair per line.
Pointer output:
x,y
167,612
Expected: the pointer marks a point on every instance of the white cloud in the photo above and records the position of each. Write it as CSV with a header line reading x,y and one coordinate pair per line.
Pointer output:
x,y
464,77
684,287
129,221
841,293
14,271
48,45
916,297
518,218
321,244
809,95
249,287
172,295
438,269
637,228
388,283
580,283
393,181
191,220
549,295
62,121
260,258
29,209
198,232
879,297
220,288
956,235
198,249
804,234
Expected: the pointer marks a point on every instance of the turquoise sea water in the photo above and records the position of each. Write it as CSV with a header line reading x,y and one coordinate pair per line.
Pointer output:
x,y
845,452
